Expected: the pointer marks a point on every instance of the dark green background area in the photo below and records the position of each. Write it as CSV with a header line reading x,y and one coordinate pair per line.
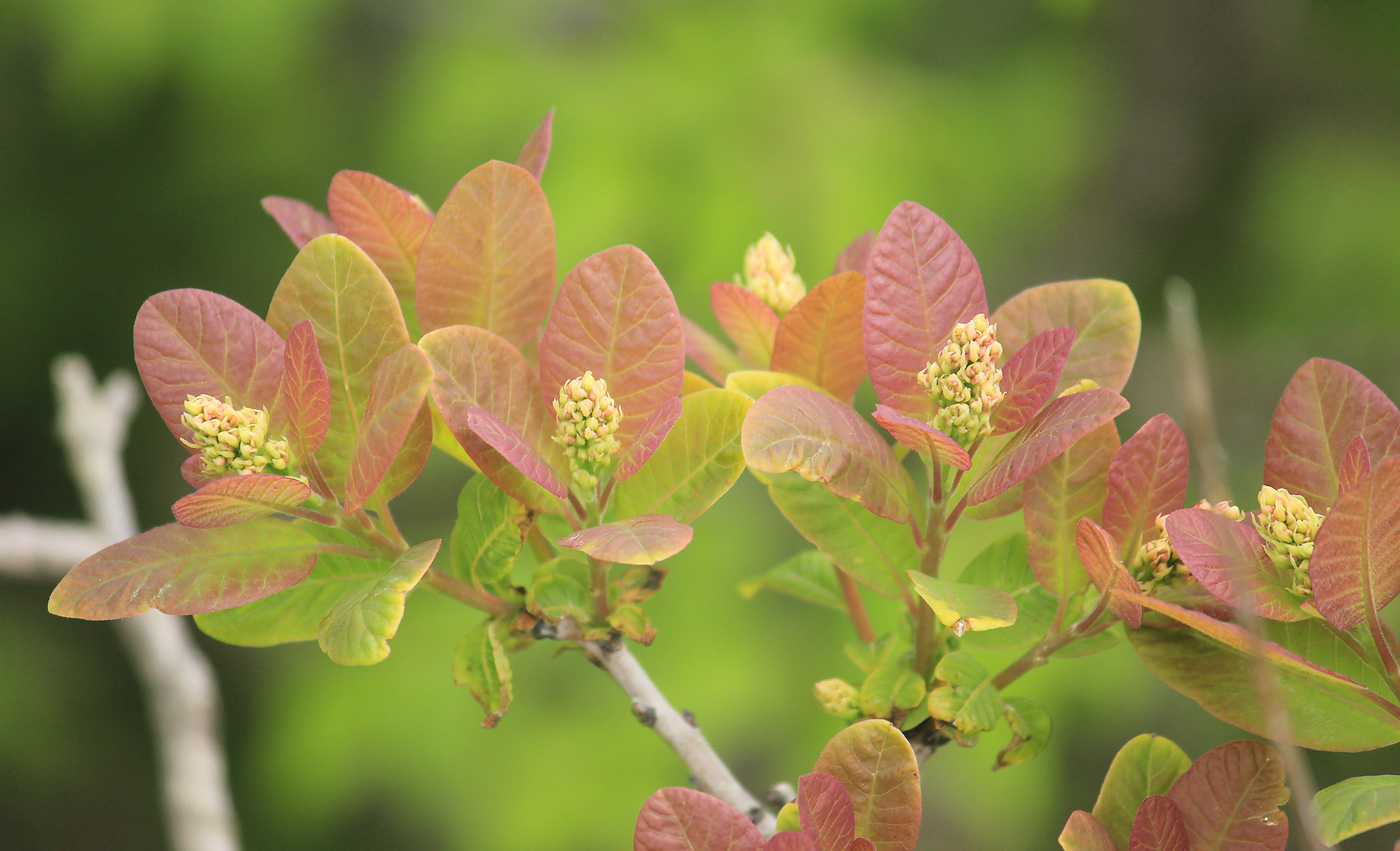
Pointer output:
x,y
1250,146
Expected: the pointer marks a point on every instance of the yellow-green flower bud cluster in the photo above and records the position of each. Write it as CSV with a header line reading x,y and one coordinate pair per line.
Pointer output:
x,y
1156,563
769,274
839,698
1288,527
964,382
233,440
587,420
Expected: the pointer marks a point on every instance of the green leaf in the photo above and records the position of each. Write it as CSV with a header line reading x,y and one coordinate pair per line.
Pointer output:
x,y
821,338
1355,567
965,607
646,539
238,499
756,382
184,571
1057,497
789,818
396,398
1105,319
480,663
967,700
632,622
358,324
748,321
490,529
1083,832
412,457
1030,731
696,463
357,630
1147,765
1356,805
891,686
875,551
875,763
1004,565
1230,798
808,576
561,590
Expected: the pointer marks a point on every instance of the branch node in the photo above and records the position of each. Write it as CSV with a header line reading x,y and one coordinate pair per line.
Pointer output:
x,y
644,713
689,718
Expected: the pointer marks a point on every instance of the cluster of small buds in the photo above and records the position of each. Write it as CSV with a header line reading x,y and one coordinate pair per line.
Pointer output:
x,y
838,698
769,274
964,382
587,420
1288,527
233,440
1156,563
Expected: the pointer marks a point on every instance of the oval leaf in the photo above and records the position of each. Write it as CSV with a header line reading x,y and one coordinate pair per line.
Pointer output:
x,y
1229,559
965,607
516,450
636,540
1145,767
1057,497
825,809
821,337
238,499
1147,478
489,532
1101,561
357,630
1159,826
676,819
1355,567
481,664
922,438
1083,832
304,400
748,321
1030,377
873,760
396,398
298,219
1105,319
1229,799
1356,805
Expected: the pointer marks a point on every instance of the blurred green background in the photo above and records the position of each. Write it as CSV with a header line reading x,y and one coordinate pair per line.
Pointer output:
x,y
1250,146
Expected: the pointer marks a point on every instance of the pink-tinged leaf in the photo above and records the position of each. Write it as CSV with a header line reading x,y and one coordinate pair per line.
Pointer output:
x,y
1355,566
1229,799
304,401
676,819
298,219
615,316
825,808
412,458
1355,464
1049,433
535,152
748,321
1147,765
488,259
192,470
637,540
790,840
923,281
185,571
388,223
1229,559
193,342
1159,826
797,429
1030,377
396,399
238,499
922,437
862,844
657,426
515,449
1324,407
1083,832
821,338
1147,478
717,359
358,324
1105,319
474,368
1057,497
873,760
1097,551
856,256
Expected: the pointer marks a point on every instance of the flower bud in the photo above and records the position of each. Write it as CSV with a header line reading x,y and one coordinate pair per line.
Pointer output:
x,y
586,422
769,274
839,698
233,441
1288,526
964,383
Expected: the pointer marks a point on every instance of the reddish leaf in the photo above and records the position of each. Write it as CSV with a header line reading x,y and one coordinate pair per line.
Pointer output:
x,y
798,429
1083,832
1147,478
192,470
676,819
412,458
298,219
717,359
488,259
1049,433
862,844
790,840
1147,765
388,224
184,571
1096,549
856,256
1057,496
1355,565
1159,826
396,398
237,499
820,338
515,449
923,281
474,368
827,814
748,321
1029,378
657,426
193,342
1325,407
1229,559
1230,798
646,539
535,152
1103,314
873,760
922,437
304,400
1355,464
615,316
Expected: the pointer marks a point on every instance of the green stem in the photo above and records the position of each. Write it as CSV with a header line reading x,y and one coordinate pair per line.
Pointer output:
x,y
538,545
462,592
1048,646
598,572
1384,648
926,628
